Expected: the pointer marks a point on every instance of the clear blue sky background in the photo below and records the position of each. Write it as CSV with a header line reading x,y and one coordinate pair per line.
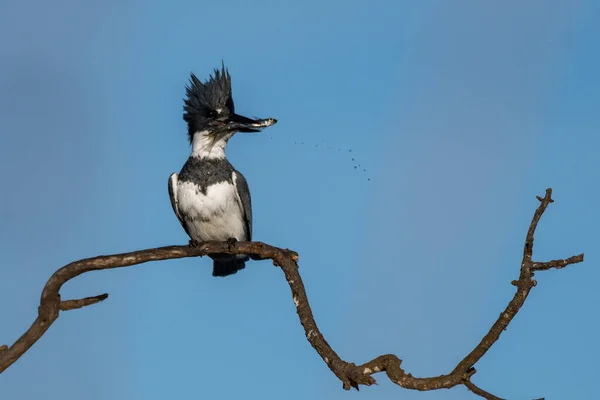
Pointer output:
x,y
461,112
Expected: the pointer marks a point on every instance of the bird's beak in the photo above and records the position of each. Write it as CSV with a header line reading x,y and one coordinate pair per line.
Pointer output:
x,y
242,124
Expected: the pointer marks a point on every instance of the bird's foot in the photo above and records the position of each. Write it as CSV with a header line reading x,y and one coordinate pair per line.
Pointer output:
x,y
194,243
231,242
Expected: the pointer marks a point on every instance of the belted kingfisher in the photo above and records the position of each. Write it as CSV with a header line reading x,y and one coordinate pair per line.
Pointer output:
x,y
210,198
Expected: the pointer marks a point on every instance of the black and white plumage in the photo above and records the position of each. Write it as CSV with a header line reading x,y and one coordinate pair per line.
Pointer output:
x,y
209,197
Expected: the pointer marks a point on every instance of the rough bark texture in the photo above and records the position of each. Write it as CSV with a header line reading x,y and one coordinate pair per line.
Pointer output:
x,y
350,374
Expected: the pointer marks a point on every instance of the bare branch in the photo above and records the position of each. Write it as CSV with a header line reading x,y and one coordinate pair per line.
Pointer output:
x,y
558,264
50,303
545,201
66,305
523,284
480,392
351,375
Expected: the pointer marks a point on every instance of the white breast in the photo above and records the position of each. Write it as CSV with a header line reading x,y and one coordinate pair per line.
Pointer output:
x,y
216,215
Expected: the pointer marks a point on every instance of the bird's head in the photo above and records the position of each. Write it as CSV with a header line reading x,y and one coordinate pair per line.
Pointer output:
x,y
209,109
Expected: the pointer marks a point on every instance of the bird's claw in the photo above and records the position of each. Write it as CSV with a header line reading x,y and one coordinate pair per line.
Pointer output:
x,y
194,243
231,243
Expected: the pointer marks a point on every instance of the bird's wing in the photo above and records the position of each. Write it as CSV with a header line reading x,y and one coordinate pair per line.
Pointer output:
x,y
173,179
243,194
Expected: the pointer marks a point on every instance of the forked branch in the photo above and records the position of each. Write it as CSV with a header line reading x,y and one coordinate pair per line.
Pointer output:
x,y
350,374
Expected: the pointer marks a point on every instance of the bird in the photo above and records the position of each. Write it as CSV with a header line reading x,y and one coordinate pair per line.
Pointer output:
x,y
209,196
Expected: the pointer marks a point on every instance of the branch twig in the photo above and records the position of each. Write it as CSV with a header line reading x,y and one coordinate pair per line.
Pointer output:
x,y
350,374
480,392
67,305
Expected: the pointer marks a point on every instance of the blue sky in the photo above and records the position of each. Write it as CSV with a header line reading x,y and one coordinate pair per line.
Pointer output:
x,y
461,114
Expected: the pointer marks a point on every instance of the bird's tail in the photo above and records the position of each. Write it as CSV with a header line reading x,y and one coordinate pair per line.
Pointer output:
x,y
228,265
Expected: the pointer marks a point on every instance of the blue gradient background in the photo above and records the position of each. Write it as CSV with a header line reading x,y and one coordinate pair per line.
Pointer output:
x,y
460,111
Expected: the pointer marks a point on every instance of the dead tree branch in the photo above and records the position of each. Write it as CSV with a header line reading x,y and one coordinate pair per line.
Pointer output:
x,y
350,374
